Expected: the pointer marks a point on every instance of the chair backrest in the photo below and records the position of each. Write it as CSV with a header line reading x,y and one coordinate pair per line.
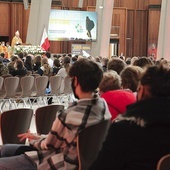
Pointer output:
x,y
34,86
89,143
45,116
11,85
41,84
26,85
55,82
1,82
164,163
14,122
67,85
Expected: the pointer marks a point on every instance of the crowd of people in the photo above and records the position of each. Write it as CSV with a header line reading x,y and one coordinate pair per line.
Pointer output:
x,y
133,93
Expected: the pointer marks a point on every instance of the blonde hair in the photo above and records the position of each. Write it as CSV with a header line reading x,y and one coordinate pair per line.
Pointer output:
x,y
47,68
111,81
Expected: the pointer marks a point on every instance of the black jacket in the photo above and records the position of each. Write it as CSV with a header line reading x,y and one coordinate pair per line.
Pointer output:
x,y
138,139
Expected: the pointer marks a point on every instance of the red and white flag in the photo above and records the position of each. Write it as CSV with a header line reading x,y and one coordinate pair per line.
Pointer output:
x,y
45,44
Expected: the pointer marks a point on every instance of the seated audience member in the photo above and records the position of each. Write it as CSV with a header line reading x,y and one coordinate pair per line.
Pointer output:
x,y
4,60
63,72
37,63
133,59
56,66
130,77
140,137
20,70
110,81
58,149
116,64
116,98
3,69
28,63
45,69
10,65
50,60
105,61
143,62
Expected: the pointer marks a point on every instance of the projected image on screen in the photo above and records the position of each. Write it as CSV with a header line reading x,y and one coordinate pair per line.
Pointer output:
x,y
65,25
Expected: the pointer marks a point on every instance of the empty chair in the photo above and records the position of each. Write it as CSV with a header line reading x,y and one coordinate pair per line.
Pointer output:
x,y
27,83
164,163
67,89
55,82
10,84
34,86
41,84
44,117
14,122
89,143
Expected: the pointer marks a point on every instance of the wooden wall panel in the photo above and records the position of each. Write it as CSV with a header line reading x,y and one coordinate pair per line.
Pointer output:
x,y
5,19
130,33
153,25
129,4
140,33
89,3
135,4
17,18
120,19
25,21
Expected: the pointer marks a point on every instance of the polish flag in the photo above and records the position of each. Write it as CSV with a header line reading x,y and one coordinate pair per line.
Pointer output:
x,y
45,44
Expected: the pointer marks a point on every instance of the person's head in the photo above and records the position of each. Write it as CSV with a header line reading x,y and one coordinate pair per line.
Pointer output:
x,y
28,60
21,55
116,64
155,82
56,62
17,33
14,58
19,65
130,77
110,81
44,61
143,62
48,54
37,59
86,76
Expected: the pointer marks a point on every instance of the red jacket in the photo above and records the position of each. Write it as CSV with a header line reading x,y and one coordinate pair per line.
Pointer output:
x,y
118,100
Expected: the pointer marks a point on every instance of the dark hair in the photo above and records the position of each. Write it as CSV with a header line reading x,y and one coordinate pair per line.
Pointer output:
x,y
19,64
56,62
131,76
88,73
116,64
143,62
158,80
48,54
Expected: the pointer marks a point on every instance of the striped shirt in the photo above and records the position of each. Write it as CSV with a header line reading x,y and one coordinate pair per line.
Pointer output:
x,y
58,150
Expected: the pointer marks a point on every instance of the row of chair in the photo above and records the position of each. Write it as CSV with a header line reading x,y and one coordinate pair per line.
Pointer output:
x,y
32,89
16,121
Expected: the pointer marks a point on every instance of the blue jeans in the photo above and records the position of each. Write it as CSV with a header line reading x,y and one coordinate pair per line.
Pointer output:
x,y
9,161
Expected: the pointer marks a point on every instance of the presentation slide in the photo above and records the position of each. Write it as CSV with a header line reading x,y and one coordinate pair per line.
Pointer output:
x,y
66,25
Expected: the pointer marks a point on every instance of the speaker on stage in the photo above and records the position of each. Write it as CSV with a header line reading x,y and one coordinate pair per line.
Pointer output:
x,y
26,4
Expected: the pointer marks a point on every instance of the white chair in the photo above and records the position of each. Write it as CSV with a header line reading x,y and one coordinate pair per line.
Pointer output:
x,y
67,93
41,84
27,83
10,84
55,83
